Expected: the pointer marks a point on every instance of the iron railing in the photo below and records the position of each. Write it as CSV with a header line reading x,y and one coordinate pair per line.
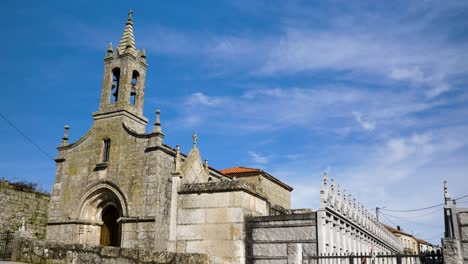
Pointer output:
x,y
6,241
423,258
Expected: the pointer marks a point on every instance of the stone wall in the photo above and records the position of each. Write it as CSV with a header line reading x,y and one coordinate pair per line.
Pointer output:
x,y
463,223
18,204
211,219
36,251
281,239
274,192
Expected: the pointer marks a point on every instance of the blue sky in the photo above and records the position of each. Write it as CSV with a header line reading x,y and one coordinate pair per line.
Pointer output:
x,y
373,93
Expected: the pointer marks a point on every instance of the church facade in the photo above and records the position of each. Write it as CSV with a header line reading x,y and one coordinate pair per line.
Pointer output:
x,y
119,186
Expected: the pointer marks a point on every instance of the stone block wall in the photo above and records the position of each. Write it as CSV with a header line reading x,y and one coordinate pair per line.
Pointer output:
x,y
463,224
16,204
211,219
36,251
281,239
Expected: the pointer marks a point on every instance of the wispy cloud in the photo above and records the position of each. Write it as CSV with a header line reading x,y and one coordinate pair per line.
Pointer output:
x,y
318,108
366,124
258,158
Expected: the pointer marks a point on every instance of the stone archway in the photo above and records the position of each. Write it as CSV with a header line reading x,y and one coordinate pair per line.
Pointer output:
x,y
102,206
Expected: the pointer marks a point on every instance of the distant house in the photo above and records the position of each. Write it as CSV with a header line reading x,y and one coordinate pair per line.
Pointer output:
x,y
410,243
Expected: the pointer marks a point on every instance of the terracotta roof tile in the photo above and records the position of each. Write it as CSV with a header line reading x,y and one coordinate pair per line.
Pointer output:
x,y
239,170
248,172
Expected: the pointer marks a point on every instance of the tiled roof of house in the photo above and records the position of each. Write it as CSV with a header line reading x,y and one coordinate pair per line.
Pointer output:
x,y
396,231
239,170
248,172
421,241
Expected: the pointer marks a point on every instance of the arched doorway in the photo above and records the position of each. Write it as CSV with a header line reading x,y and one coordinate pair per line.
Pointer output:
x,y
110,229
103,204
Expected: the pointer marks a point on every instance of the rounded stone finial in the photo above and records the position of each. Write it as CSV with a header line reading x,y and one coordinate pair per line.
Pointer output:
x,y
158,117
178,148
143,53
66,128
110,49
65,135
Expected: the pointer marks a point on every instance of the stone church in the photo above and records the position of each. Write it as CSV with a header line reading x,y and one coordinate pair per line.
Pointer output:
x,y
119,186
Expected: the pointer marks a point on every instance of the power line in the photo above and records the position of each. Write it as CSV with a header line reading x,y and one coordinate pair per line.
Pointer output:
x,y
26,137
414,210
421,209
388,219
416,216
459,198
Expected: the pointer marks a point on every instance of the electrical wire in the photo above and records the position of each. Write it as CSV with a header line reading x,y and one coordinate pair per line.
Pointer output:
x,y
421,209
382,214
412,222
416,216
26,137
413,210
459,198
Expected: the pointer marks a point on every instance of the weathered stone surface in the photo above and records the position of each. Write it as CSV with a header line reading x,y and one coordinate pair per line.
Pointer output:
x,y
31,251
463,217
452,251
18,204
271,250
284,234
281,237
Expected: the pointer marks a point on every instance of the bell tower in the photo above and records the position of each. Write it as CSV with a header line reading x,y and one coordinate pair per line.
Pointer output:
x,y
123,84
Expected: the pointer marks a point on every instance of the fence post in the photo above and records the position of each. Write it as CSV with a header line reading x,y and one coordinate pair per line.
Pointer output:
x,y
351,259
398,259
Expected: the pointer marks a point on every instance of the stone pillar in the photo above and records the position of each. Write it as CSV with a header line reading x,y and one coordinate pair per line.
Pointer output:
x,y
452,251
294,253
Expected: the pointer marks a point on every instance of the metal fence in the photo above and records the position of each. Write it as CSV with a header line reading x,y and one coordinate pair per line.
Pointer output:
x,y
423,258
6,241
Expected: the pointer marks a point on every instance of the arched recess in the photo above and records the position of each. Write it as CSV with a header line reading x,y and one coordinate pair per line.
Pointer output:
x,y
104,204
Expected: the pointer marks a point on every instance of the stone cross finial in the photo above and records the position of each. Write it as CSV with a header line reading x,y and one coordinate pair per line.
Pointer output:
x,y
65,136
130,14
195,139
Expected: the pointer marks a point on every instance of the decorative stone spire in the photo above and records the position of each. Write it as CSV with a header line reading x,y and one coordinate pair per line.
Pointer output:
x,y
207,168
177,160
157,124
65,136
127,41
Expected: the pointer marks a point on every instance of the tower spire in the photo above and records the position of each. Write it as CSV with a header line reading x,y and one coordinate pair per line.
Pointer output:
x,y
127,41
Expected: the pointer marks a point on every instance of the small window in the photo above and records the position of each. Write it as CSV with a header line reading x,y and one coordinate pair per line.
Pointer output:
x,y
115,85
106,150
133,91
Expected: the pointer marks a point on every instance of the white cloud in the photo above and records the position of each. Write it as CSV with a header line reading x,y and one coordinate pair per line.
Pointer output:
x,y
258,158
200,99
413,73
366,124
318,108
